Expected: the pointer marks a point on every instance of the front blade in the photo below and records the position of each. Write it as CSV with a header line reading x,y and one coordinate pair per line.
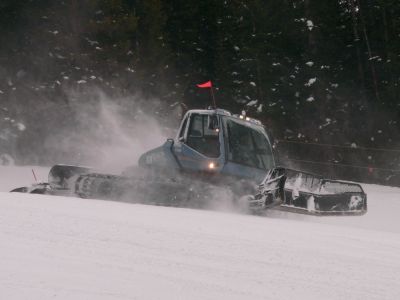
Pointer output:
x,y
311,194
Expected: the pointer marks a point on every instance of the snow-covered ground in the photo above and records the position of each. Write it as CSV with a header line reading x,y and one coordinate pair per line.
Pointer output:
x,y
70,248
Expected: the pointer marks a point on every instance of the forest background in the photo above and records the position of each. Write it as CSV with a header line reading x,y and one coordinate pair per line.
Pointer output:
x,y
323,76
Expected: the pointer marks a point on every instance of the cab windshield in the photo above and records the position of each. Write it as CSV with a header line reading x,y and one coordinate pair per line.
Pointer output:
x,y
248,145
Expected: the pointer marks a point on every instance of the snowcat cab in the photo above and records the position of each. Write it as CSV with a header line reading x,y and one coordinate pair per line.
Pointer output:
x,y
213,149
214,142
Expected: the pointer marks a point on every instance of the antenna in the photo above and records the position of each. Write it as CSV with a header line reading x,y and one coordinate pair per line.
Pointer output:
x,y
34,175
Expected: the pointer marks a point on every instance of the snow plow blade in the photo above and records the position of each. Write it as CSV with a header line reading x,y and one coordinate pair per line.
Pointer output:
x,y
307,193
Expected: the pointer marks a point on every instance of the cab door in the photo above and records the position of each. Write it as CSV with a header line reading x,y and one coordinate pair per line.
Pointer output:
x,y
198,145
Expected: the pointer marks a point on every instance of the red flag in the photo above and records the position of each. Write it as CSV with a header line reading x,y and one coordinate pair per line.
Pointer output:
x,y
207,84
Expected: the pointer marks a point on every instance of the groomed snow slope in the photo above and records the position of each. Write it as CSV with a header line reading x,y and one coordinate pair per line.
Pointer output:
x,y
70,248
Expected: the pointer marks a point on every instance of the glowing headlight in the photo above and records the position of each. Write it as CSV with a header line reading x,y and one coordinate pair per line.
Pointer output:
x,y
241,117
211,165
247,119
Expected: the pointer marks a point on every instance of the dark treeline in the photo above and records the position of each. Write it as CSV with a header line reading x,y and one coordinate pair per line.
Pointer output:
x,y
312,71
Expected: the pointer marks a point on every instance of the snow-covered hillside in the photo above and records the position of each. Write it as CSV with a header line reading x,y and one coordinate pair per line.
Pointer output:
x,y
70,248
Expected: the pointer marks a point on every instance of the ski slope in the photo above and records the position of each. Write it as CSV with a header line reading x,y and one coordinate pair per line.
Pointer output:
x,y
70,248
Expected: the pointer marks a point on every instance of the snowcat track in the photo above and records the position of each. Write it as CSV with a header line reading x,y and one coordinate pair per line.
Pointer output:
x,y
139,190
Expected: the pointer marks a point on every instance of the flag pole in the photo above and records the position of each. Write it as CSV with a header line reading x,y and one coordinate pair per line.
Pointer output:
x,y
209,85
213,97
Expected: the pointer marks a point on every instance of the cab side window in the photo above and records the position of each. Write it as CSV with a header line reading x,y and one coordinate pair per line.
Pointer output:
x,y
201,138
248,146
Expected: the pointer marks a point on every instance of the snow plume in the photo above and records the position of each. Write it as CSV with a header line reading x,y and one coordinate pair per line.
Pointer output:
x,y
222,199
228,196
105,133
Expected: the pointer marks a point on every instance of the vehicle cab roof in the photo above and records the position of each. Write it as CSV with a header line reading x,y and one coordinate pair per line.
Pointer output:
x,y
226,113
